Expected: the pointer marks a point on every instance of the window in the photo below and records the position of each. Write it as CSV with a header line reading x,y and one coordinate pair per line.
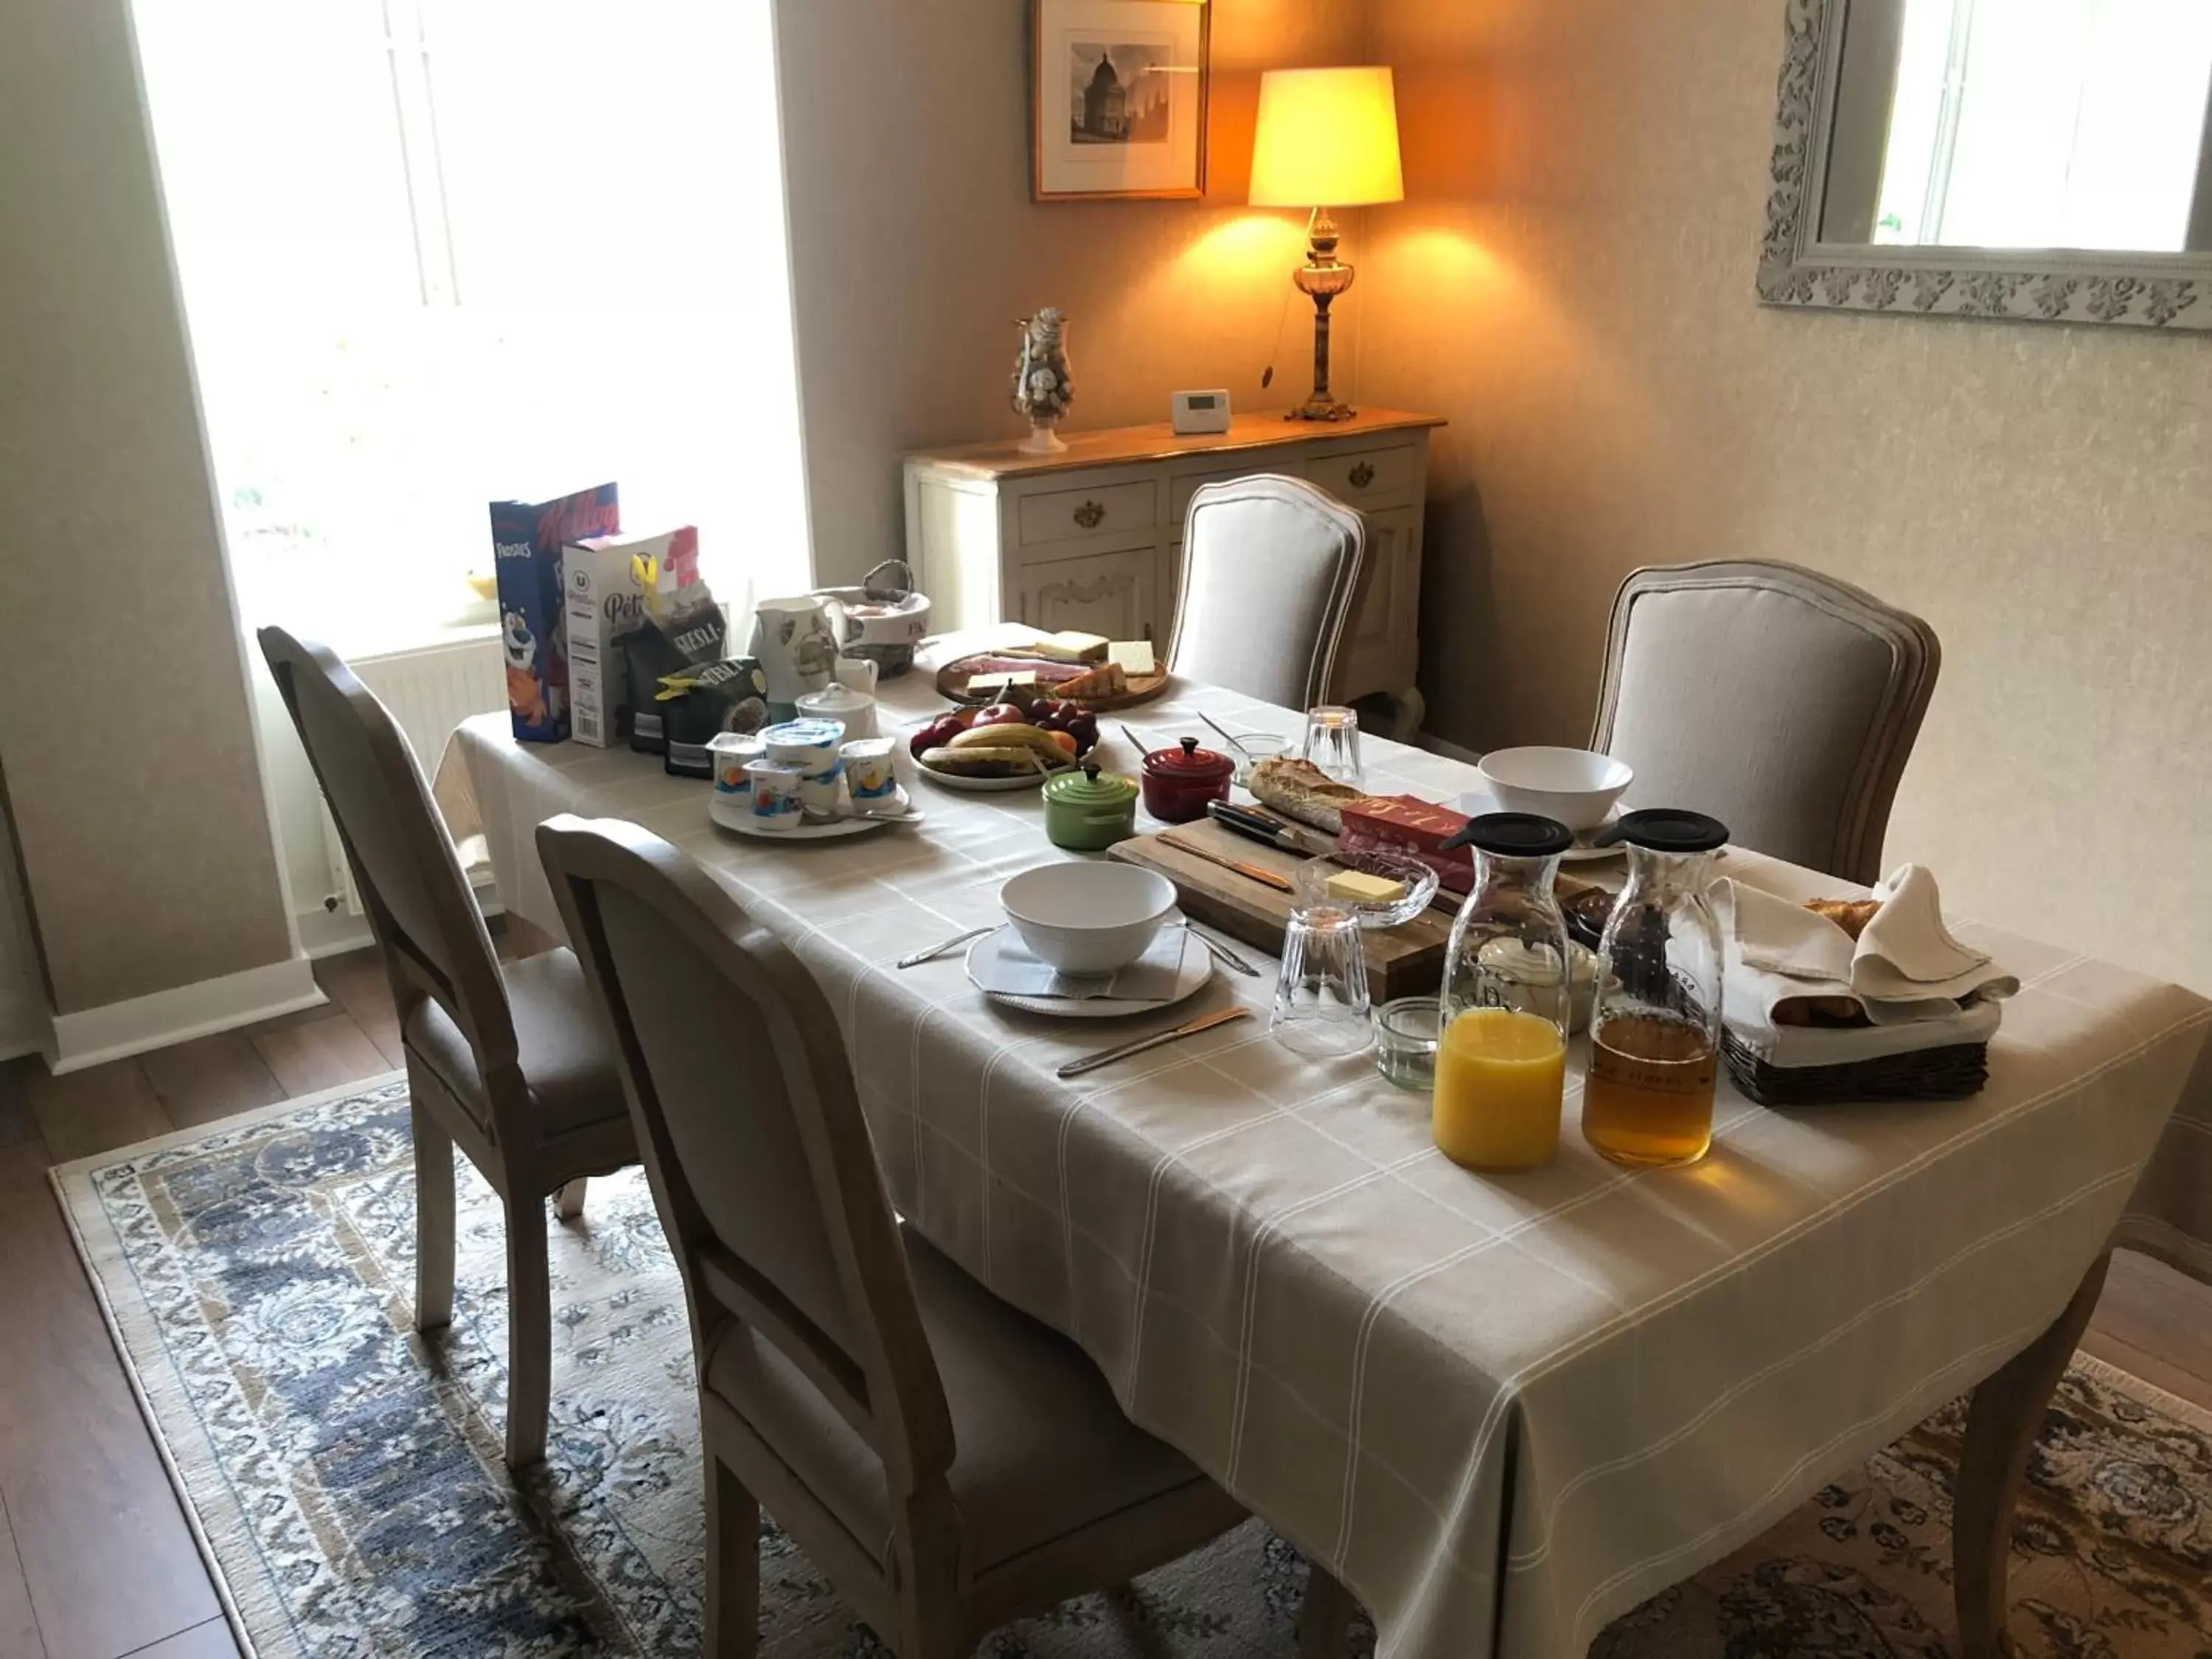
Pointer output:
x,y
435,252
2034,123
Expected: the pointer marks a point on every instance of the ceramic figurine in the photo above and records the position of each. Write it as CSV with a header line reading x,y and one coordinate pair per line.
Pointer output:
x,y
1043,387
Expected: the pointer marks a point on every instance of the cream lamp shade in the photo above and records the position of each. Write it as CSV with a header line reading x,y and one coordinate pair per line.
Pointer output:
x,y
1326,137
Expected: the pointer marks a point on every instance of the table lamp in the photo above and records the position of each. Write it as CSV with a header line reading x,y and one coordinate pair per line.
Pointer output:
x,y
1326,138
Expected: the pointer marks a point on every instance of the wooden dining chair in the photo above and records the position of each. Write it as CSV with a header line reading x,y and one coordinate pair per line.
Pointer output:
x,y
1270,567
507,1064
948,1462
1782,701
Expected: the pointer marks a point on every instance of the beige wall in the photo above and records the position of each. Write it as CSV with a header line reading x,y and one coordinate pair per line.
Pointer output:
x,y
915,245
1572,283
123,729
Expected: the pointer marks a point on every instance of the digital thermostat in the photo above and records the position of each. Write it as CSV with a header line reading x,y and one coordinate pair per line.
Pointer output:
x,y
1202,411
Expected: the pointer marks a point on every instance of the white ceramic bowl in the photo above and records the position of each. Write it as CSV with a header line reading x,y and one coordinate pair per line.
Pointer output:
x,y
1086,918
1576,786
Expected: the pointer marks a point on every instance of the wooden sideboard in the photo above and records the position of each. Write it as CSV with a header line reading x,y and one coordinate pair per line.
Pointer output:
x,y
1092,538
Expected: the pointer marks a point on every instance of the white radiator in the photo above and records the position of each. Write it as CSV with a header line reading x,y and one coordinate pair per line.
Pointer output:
x,y
429,690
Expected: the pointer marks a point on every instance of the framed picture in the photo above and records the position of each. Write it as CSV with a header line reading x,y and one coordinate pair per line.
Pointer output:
x,y
1117,99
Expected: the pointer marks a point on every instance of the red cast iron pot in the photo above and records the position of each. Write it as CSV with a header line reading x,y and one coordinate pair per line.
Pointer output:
x,y
1178,782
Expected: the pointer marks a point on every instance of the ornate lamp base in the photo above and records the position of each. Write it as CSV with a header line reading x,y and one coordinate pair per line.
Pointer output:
x,y
1324,278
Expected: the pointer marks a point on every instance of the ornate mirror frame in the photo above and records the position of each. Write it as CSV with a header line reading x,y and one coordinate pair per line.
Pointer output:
x,y
2170,291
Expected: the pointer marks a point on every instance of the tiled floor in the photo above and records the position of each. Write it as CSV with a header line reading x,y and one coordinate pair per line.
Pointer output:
x,y
96,1561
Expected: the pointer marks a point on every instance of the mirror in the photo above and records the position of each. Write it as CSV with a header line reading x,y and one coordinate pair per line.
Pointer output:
x,y
2049,159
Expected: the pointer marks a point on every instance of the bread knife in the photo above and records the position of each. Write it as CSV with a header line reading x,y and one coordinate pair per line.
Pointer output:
x,y
1268,830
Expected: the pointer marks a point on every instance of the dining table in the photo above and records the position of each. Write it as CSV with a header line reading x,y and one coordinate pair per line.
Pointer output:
x,y
1499,1410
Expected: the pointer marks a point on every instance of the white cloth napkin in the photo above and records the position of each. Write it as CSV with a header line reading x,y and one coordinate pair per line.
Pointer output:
x,y
1151,978
1917,984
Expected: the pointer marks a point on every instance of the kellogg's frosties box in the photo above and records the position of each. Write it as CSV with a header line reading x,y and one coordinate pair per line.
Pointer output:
x,y
526,539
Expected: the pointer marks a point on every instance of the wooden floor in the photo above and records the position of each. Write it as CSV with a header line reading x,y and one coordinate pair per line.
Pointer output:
x,y
96,1561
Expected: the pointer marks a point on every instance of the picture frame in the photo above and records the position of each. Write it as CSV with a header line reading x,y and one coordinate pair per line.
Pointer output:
x,y
1118,100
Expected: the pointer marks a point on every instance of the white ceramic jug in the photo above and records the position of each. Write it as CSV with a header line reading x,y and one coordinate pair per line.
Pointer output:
x,y
795,642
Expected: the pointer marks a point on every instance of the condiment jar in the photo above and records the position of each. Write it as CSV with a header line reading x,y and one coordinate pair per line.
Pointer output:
x,y
1178,782
1088,812
1656,1033
1501,1041
839,701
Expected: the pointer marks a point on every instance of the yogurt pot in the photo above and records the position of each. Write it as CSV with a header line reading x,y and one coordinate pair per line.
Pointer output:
x,y
734,752
868,770
810,745
821,793
775,798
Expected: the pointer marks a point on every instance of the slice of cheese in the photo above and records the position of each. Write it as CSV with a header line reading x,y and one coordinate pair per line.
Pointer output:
x,y
1070,645
1358,887
989,685
1132,656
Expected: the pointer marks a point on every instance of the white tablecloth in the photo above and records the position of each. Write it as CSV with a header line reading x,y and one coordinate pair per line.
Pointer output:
x,y
1501,1410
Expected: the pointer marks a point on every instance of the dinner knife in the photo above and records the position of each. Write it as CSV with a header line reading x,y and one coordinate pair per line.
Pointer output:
x,y
1249,871
1267,830
1123,1050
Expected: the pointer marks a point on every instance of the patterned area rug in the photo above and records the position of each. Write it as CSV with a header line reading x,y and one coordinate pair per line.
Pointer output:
x,y
346,1480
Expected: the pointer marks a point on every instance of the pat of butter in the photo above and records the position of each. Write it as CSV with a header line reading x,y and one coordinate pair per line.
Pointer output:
x,y
1358,887
1132,656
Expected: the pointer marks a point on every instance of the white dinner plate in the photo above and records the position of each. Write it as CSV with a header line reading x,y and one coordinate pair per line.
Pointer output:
x,y
986,785
1196,969
733,813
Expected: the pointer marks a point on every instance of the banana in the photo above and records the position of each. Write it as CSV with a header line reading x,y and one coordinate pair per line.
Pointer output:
x,y
985,761
1009,737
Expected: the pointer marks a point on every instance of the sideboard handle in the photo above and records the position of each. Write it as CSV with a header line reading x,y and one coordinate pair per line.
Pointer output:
x,y
1089,515
1362,475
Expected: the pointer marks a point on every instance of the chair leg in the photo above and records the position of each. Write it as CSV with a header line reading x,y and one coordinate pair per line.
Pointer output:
x,y
529,1332
1325,1621
569,1202
732,1566
434,1223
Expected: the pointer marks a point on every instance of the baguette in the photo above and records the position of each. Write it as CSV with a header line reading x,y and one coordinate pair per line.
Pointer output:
x,y
1299,789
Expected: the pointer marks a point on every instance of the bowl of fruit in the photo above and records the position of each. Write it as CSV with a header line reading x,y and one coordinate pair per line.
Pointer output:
x,y
1013,744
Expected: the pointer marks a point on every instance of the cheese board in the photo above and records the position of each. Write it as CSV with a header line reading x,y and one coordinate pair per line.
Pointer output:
x,y
1403,961
953,680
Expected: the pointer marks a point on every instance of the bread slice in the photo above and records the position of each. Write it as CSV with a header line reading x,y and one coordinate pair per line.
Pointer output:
x,y
1105,681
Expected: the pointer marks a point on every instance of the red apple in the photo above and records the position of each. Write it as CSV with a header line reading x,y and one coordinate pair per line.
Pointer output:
x,y
1003,713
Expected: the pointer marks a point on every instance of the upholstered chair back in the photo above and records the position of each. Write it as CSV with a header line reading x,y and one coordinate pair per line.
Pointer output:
x,y
1782,701
411,884
751,1134
1270,566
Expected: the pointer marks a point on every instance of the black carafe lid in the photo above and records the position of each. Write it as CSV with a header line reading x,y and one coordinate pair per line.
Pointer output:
x,y
1513,835
1666,829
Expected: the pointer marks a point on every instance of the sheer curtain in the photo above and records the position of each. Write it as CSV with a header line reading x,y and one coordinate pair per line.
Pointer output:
x,y
437,252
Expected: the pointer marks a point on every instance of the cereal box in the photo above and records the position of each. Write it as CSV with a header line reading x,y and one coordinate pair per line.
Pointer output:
x,y
527,540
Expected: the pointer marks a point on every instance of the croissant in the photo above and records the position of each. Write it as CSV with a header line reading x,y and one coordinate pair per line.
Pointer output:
x,y
1850,915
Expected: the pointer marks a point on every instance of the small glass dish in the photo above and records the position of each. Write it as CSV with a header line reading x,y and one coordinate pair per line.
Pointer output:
x,y
1248,749
1406,1036
1420,886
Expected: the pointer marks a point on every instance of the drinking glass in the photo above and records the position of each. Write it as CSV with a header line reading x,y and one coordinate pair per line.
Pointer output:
x,y
1322,1005
1333,742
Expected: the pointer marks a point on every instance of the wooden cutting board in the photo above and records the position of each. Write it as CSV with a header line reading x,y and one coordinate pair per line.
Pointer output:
x,y
1402,962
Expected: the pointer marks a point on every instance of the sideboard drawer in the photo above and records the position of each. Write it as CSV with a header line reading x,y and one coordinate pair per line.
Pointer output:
x,y
1360,474
1065,515
1183,486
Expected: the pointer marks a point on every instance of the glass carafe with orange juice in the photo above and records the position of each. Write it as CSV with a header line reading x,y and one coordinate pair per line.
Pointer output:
x,y
1656,1030
1502,1052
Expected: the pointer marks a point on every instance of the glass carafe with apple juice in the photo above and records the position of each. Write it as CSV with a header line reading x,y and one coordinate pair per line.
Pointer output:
x,y
1502,1053
1656,1030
